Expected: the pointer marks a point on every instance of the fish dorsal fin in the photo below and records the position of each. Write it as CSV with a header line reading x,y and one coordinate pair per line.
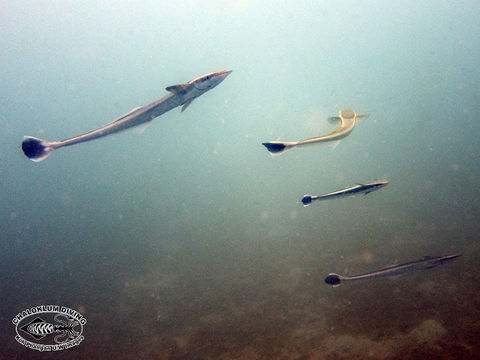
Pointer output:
x,y
390,266
187,103
131,111
134,109
362,116
177,89
363,185
426,257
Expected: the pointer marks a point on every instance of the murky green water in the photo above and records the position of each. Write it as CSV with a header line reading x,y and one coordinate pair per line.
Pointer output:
x,y
189,241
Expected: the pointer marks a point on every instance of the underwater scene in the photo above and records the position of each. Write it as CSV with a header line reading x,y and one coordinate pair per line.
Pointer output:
x,y
244,179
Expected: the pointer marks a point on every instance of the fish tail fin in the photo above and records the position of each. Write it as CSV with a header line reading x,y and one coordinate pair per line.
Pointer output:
x,y
37,149
334,279
307,200
278,147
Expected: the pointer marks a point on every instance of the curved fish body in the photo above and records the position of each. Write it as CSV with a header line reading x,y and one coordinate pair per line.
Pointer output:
x,y
347,120
365,188
427,262
37,149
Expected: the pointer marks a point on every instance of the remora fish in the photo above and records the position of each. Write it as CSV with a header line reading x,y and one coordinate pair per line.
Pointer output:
x,y
37,149
353,190
347,119
427,262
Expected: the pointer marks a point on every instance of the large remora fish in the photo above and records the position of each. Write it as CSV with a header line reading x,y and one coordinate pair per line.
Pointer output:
x,y
183,94
427,262
347,120
365,188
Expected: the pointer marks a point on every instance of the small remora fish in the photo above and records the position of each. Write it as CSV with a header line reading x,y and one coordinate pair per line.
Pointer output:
x,y
365,188
37,149
427,262
347,120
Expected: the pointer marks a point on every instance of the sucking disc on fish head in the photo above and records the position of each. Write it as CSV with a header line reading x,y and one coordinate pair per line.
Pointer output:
x,y
347,114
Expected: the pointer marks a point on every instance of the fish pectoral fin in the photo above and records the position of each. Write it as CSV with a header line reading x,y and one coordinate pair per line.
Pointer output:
x,y
187,103
177,89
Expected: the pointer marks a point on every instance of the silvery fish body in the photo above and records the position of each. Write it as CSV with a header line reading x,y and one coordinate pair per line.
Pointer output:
x,y
37,149
364,188
427,262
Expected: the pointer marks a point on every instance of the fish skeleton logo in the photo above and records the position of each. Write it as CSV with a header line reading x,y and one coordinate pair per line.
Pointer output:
x,y
49,327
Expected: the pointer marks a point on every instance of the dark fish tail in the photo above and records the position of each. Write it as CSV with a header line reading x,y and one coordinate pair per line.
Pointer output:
x,y
277,147
307,200
333,279
36,149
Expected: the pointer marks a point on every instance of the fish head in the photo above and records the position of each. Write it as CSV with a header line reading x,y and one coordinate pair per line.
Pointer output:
x,y
347,114
209,81
382,183
375,185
